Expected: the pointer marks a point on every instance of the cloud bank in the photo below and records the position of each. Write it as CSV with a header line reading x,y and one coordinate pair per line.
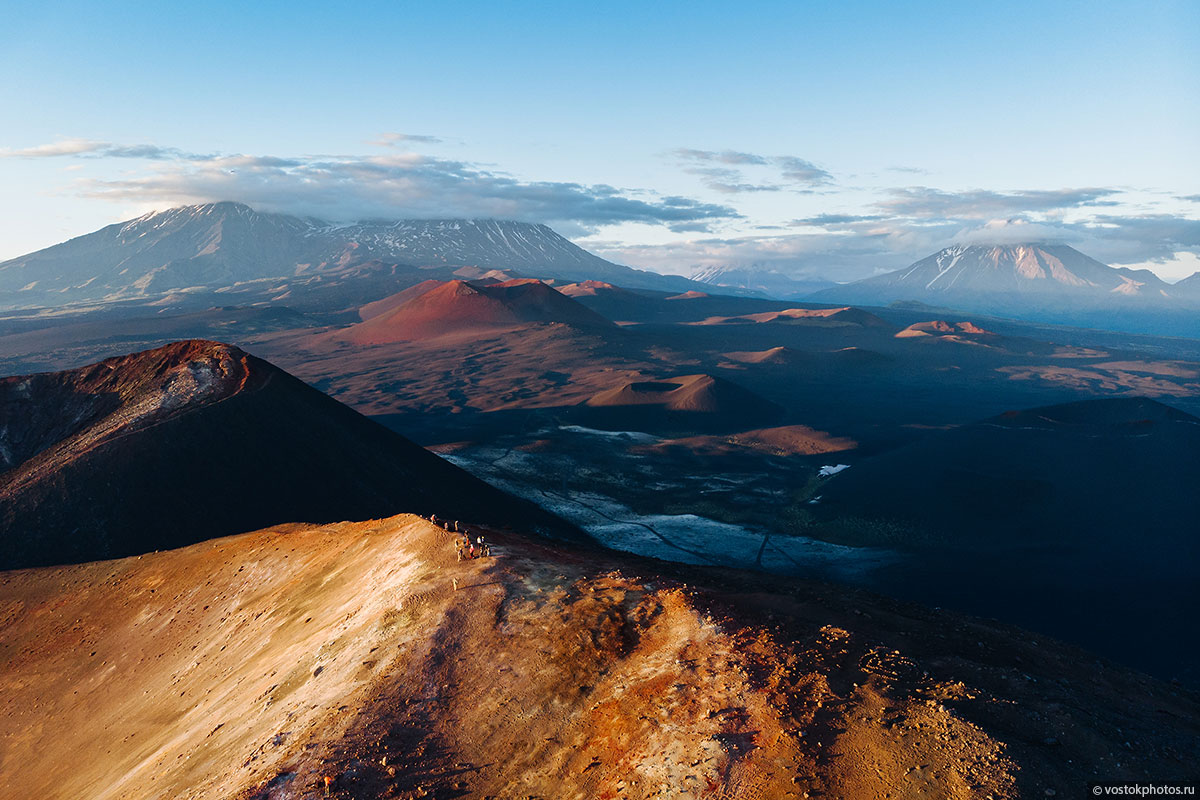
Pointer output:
x,y
393,185
724,171
888,229
909,223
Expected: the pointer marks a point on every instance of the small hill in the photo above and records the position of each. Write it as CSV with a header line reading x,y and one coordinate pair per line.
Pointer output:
x,y
432,309
846,316
781,356
199,439
481,275
593,289
363,660
788,440
689,295
941,329
705,399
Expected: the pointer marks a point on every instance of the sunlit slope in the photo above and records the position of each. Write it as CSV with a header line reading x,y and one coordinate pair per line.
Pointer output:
x,y
261,664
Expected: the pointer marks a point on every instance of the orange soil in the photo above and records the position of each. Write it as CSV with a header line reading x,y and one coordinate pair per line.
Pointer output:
x,y
260,665
786,440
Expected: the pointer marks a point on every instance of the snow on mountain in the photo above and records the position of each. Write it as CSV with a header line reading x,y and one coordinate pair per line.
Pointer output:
x,y
1025,272
763,281
1036,281
217,246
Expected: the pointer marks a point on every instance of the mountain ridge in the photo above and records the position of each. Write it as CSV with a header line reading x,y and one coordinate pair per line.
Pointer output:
x,y
213,440
1030,270
229,247
1033,281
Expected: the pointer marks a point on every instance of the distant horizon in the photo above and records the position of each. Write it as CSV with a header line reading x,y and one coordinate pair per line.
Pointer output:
x,y
834,142
750,268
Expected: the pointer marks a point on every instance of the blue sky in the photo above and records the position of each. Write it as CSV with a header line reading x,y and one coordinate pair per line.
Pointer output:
x,y
835,139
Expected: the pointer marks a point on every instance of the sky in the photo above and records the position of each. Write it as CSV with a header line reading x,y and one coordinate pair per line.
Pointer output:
x,y
833,140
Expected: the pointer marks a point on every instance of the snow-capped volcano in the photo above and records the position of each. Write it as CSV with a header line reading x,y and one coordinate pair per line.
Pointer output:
x,y
1008,274
217,246
1021,268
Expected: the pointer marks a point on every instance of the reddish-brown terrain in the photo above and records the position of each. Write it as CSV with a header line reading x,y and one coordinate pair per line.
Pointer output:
x,y
712,400
428,311
198,439
818,317
941,329
363,660
775,355
786,440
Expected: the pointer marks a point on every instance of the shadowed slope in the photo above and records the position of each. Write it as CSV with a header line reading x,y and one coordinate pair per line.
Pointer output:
x,y
199,439
1078,520
1062,466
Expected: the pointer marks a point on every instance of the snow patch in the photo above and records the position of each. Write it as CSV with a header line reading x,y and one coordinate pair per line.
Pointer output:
x,y
633,436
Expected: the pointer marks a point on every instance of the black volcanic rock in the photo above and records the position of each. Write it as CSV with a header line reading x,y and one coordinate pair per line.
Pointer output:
x,y
1076,520
196,440
1107,473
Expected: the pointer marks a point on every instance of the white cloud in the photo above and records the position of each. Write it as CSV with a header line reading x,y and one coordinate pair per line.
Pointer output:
x,y
394,185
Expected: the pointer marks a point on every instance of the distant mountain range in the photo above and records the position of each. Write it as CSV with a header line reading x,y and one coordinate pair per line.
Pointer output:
x,y
1039,281
761,281
1031,271
249,255
1045,282
226,254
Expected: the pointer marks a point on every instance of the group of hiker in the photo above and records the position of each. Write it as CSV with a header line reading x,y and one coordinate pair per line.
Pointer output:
x,y
466,547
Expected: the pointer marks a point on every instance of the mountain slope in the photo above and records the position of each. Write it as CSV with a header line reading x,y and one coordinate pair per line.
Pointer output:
x,y
1031,273
231,247
974,484
199,439
1042,282
1188,288
1078,520
210,245
1032,270
432,309
761,281
261,665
